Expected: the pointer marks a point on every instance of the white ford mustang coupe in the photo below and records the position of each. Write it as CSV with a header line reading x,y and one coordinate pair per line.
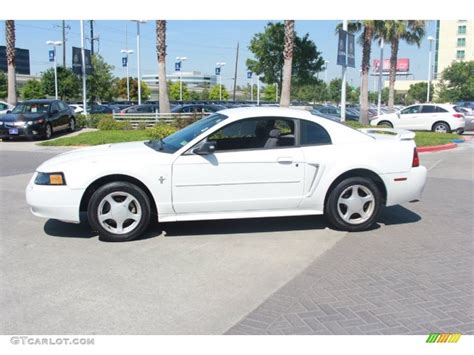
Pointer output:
x,y
236,163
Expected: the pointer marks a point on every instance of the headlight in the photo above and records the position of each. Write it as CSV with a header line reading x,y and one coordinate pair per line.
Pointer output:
x,y
50,179
1,123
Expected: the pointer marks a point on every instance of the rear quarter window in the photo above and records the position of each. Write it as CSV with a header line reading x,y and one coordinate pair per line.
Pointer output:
x,y
312,133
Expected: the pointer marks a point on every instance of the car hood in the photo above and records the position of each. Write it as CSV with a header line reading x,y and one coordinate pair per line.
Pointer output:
x,y
21,117
119,154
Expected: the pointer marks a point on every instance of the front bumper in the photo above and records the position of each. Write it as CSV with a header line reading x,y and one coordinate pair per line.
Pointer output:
x,y
56,202
409,189
29,131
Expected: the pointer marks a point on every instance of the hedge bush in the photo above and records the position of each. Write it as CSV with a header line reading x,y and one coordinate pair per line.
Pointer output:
x,y
90,122
109,124
160,131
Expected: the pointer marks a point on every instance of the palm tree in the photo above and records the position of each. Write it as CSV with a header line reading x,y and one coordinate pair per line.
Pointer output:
x,y
368,28
161,52
288,60
10,40
412,32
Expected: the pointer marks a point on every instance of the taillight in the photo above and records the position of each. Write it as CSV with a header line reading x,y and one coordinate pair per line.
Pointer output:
x,y
416,159
458,115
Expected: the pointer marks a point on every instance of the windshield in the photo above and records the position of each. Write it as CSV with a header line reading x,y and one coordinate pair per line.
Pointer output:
x,y
179,139
31,108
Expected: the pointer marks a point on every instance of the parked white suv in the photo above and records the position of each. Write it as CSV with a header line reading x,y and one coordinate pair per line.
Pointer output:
x,y
4,107
424,117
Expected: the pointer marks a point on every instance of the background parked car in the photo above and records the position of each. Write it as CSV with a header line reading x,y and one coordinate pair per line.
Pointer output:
x,y
95,109
145,108
37,118
441,118
5,106
197,108
76,108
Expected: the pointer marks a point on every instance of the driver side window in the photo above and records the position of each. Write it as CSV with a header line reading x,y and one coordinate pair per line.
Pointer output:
x,y
255,133
411,109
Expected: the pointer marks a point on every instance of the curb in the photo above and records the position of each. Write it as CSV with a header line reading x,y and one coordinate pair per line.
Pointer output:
x,y
436,148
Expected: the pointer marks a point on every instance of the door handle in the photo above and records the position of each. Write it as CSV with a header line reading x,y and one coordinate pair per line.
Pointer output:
x,y
285,160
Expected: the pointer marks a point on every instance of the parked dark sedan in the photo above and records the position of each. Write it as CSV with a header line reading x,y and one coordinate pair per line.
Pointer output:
x,y
197,108
37,118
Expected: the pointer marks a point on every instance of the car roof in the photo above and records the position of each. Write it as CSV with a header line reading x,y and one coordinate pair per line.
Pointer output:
x,y
240,112
40,101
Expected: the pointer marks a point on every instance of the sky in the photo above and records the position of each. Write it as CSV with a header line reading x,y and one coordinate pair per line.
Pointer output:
x,y
203,42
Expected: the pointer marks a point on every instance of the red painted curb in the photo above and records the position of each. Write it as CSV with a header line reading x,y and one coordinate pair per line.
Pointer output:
x,y
436,148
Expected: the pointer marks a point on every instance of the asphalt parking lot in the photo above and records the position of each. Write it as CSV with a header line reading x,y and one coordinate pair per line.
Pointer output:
x,y
255,276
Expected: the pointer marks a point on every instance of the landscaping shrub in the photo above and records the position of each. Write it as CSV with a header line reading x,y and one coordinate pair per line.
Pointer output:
x,y
160,131
109,124
89,122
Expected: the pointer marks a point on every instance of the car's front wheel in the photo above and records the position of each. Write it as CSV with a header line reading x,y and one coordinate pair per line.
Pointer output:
x,y
385,124
48,131
72,125
354,204
119,211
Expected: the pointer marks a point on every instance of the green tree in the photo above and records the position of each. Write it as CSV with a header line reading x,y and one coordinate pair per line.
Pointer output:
x,y
368,29
457,82
214,94
316,92
417,92
174,91
269,93
33,89
10,39
3,85
411,31
121,89
205,94
334,90
287,63
101,84
160,30
69,85
268,48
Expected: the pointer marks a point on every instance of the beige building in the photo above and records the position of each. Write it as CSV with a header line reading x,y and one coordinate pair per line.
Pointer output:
x,y
454,42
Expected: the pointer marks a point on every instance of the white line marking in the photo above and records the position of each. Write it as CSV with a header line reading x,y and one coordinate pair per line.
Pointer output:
x,y
435,164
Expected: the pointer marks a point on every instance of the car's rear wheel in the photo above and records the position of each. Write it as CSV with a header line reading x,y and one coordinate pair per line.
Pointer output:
x,y
354,204
119,211
386,124
441,127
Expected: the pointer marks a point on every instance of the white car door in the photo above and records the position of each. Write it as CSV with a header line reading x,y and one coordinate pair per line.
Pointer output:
x,y
428,117
255,166
410,118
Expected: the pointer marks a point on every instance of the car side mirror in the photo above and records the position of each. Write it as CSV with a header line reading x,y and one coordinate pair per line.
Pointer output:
x,y
206,148
54,112
398,114
9,111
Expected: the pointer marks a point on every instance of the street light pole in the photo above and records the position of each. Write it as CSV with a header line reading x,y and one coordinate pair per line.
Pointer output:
x,y
83,56
343,88
138,61
55,44
180,60
127,52
379,99
220,65
326,62
430,39
258,90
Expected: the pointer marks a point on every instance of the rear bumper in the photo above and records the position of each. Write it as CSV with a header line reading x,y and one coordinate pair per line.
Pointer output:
x,y
405,187
56,202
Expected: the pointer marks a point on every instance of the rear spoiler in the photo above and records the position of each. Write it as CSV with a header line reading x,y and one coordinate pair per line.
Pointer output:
x,y
390,133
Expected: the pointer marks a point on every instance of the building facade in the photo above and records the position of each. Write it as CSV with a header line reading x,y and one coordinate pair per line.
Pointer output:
x,y
194,80
454,43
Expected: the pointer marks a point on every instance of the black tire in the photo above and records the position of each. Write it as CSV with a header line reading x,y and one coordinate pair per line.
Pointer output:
x,y
119,187
48,131
385,124
441,127
332,210
72,125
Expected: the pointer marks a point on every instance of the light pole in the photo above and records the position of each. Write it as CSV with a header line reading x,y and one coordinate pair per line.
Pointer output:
x,y
250,76
326,62
220,65
379,99
343,85
84,79
258,90
127,52
431,40
138,61
180,60
55,44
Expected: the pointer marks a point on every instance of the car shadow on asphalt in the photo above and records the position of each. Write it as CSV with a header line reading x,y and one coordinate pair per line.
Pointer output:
x,y
389,216
59,134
